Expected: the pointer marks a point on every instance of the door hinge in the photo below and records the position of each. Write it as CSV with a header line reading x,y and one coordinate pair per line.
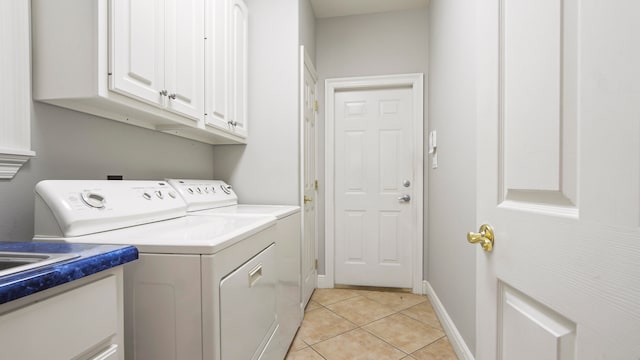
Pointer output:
x,y
315,105
315,184
316,264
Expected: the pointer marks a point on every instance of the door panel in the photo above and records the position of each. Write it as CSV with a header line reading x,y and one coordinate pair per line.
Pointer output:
x,y
373,241
529,330
138,48
538,102
558,178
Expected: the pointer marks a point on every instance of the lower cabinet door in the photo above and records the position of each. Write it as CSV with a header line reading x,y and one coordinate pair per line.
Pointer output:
x,y
65,326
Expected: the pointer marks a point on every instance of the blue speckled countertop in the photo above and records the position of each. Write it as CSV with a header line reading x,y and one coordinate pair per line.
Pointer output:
x,y
92,259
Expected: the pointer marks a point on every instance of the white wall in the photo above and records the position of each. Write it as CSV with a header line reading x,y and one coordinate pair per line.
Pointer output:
x,y
308,29
266,169
72,145
377,44
452,198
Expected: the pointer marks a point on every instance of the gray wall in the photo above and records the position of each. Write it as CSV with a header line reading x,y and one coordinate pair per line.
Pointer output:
x,y
308,29
72,145
452,197
266,170
365,45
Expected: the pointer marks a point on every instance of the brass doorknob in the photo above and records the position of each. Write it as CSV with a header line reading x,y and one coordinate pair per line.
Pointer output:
x,y
485,237
307,199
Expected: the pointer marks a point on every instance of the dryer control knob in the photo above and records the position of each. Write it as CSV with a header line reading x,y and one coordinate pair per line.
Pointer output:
x,y
93,200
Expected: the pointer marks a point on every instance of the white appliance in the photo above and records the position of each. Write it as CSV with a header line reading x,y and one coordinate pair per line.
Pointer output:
x,y
216,198
203,287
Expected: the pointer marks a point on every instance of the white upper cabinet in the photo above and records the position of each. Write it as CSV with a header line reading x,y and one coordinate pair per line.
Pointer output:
x,y
158,53
137,61
226,66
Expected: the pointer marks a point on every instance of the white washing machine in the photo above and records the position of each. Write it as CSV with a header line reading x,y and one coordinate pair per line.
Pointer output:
x,y
203,287
216,198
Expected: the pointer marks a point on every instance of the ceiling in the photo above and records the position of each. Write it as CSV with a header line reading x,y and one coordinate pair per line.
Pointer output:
x,y
331,8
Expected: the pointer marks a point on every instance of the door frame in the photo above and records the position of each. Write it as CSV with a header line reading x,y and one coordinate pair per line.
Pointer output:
x,y
306,62
415,81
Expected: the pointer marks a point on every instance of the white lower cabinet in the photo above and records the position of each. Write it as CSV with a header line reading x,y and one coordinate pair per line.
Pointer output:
x,y
83,322
140,62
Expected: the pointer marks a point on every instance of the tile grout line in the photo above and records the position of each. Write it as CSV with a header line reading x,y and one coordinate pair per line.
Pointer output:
x,y
358,327
367,331
362,327
397,312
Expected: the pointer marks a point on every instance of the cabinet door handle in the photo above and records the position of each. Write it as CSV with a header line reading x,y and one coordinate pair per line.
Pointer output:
x,y
164,92
172,96
232,123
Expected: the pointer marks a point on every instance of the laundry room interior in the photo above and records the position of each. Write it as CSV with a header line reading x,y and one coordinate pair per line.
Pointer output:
x,y
426,49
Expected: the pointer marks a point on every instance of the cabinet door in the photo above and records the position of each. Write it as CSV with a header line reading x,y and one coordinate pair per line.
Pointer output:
x,y
216,74
75,324
137,35
238,67
184,39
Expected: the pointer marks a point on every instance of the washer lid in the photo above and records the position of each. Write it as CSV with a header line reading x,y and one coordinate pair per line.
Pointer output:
x,y
185,235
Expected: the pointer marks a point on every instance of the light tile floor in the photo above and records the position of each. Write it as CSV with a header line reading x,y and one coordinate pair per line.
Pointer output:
x,y
341,324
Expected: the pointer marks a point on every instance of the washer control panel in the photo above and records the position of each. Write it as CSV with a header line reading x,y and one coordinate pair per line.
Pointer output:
x,y
204,194
87,206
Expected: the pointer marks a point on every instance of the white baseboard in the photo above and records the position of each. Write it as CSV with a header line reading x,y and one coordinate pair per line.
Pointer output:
x,y
456,340
323,282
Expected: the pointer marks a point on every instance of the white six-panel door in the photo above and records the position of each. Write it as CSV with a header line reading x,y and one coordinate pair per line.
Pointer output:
x,y
558,177
373,159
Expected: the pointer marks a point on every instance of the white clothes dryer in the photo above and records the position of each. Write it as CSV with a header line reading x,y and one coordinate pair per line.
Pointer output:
x,y
217,198
203,287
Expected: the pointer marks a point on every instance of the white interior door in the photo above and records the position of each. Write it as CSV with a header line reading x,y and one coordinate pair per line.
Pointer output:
x,y
373,171
559,179
309,168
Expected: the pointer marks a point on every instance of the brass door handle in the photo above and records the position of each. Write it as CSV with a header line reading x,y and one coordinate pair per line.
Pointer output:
x,y
485,237
307,199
